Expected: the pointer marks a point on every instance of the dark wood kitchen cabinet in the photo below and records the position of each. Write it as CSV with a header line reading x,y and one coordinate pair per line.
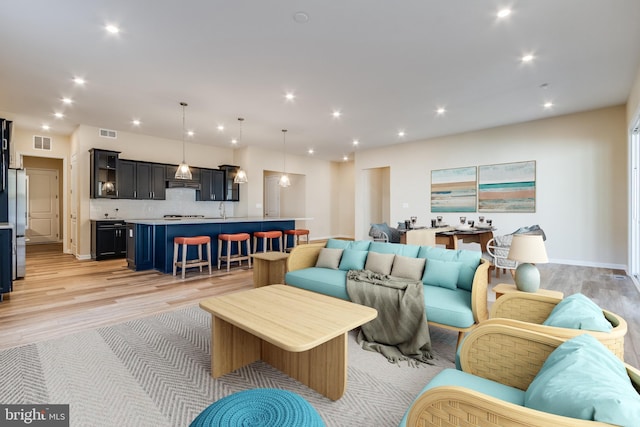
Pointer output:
x,y
103,167
232,190
141,180
108,239
211,185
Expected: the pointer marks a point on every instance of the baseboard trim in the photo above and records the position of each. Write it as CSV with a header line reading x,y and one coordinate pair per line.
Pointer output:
x,y
83,257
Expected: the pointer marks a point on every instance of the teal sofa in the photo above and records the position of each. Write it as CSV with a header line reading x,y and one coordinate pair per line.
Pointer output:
x,y
454,281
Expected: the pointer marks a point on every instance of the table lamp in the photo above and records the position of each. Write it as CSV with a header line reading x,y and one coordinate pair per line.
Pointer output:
x,y
527,249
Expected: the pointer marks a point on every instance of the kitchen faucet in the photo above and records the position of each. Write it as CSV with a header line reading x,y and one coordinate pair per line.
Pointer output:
x,y
222,210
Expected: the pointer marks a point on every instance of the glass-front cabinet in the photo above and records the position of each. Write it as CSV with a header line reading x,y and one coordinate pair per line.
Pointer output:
x,y
104,167
232,190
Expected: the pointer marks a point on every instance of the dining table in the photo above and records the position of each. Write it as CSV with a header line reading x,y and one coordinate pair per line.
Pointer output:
x,y
449,236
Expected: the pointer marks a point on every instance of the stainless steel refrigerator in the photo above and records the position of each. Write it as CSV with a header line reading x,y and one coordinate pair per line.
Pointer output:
x,y
17,190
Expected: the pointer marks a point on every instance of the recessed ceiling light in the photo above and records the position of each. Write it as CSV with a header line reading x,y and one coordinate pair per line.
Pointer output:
x,y
135,122
79,81
345,157
548,104
401,133
113,29
440,111
67,101
336,114
58,115
290,96
503,13
301,17
234,141
356,142
190,133
310,151
220,128
527,58
45,127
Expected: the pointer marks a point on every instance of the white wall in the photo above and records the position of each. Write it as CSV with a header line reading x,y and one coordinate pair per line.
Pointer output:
x,y
581,188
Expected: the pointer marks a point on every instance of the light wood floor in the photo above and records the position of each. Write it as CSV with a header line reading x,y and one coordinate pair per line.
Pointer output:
x,y
61,295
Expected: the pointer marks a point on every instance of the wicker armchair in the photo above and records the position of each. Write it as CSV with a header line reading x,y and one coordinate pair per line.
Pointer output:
x,y
506,355
528,311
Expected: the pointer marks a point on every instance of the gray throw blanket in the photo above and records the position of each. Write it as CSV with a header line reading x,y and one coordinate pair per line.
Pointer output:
x,y
400,332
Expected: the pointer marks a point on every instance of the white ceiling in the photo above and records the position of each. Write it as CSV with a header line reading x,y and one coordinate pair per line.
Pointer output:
x,y
387,65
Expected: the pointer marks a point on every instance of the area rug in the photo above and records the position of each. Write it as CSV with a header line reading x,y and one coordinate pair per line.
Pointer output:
x,y
155,371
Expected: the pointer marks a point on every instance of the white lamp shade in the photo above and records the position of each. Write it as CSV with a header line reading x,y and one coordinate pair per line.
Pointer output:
x,y
528,248
241,177
284,181
183,172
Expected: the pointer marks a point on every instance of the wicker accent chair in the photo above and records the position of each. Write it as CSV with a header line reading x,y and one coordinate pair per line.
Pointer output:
x,y
507,355
528,311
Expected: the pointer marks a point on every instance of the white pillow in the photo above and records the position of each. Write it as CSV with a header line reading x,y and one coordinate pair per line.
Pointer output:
x,y
329,258
379,263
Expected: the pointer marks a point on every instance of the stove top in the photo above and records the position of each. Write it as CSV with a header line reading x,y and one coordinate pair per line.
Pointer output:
x,y
177,216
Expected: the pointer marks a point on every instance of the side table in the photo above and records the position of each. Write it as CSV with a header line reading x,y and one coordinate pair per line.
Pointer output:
x,y
269,268
505,288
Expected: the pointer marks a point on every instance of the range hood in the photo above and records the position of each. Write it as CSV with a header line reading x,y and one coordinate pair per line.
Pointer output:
x,y
183,183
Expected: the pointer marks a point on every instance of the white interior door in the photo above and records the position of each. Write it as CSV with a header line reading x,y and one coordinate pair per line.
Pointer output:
x,y
634,215
43,205
271,196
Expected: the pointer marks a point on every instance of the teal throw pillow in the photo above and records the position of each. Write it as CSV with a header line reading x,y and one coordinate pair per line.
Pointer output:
x,y
578,312
441,273
583,379
359,245
353,260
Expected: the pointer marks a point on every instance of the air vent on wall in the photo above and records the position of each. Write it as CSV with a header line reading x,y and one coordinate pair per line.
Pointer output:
x,y
41,142
106,133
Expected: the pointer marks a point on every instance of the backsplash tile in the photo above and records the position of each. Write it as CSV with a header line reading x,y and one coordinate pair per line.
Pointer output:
x,y
179,201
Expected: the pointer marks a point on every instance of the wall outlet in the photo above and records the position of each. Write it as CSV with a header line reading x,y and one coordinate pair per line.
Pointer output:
x,y
405,205
258,205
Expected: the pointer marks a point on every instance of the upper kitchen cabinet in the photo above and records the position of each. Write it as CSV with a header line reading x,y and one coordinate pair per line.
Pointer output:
x,y
232,190
150,181
104,173
141,180
211,185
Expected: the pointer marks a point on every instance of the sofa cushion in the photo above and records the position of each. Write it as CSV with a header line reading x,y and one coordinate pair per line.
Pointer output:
x,y
583,379
379,263
441,273
329,258
448,307
353,259
469,259
359,245
394,248
578,312
322,280
407,267
452,377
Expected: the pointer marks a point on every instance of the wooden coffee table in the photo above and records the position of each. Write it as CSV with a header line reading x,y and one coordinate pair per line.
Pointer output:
x,y
301,333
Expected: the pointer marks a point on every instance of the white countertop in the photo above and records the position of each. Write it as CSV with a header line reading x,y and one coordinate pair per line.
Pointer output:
x,y
184,221
6,225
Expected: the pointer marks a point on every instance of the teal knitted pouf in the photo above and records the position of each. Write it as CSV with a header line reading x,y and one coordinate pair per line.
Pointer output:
x,y
260,407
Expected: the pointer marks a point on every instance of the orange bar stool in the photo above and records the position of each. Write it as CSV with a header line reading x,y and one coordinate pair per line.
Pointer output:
x,y
229,239
185,242
267,237
296,237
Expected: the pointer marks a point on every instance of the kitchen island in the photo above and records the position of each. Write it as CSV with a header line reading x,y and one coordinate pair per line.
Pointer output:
x,y
150,241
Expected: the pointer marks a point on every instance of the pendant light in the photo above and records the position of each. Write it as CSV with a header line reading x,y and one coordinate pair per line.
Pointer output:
x,y
241,175
284,178
183,171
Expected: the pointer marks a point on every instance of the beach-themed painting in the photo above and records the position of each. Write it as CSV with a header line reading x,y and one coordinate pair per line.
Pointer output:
x,y
453,190
507,187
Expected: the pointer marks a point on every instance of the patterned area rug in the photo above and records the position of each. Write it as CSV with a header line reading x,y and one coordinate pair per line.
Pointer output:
x,y
155,371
